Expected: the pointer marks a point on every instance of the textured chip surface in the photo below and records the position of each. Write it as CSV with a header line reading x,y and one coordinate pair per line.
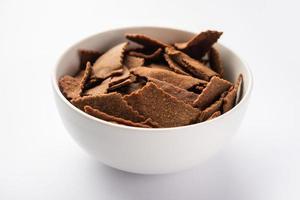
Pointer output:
x,y
110,62
179,93
167,111
230,98
104,116
211,92
195,67
112,104
70,86
179,80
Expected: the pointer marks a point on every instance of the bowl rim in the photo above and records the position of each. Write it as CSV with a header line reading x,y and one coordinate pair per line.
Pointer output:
x,y
97,120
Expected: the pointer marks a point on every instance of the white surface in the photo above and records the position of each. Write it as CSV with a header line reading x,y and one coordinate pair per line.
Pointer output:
x,y
40,161
149,151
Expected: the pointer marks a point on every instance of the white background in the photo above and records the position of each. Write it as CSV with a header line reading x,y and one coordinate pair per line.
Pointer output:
x,y
38,159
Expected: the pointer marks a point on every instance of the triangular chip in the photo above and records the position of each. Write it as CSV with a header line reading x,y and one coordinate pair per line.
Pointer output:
x,y
230,98
179,93
70,87
145,41
166,110
215,61
101,115
110,63
211,92
152,55
99,89
87,56
179,80
199,45
86,76
112,104
132,62
195,67
174,66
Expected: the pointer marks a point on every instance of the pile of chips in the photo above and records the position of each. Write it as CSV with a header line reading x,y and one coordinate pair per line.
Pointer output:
x,y
155,85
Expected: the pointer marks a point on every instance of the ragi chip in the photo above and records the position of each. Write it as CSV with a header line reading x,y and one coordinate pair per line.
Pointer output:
x,y
110,63
174,66
104,116
199,45
179,93
230,98
211,92
152,102
195,67
70,87
86,76
145,41
112,104
179,80
99,89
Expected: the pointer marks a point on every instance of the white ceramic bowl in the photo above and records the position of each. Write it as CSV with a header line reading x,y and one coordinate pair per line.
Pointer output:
x,y
141,150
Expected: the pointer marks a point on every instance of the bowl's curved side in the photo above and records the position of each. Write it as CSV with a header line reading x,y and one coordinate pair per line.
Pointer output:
x,y
148,151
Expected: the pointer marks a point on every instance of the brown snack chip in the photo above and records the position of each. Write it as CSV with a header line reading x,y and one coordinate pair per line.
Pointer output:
x,y
145,41
211,92
132,62
154,55
70,86
112,104
118,79
167,111
216,114
189,64
125,82
101,115
199,45
99,89
179,80
231,96
216,106
215,61
174,66
85,77
110,63
87,56
179,93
